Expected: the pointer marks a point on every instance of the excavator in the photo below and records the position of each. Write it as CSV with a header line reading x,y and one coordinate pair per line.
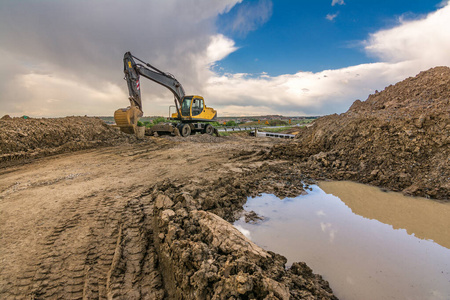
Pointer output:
x,y
191,115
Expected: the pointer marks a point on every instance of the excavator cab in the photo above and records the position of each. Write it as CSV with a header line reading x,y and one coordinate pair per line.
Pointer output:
x,y
193,108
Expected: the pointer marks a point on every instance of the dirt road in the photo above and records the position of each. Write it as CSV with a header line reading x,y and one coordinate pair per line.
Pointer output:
x,y
82,225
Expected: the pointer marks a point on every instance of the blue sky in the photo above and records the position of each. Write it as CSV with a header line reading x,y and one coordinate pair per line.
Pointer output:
x,y
246,57
297,36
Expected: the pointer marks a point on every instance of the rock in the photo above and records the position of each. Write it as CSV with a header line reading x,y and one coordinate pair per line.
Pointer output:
x,y
252,218
162,201
420,121
226,237
167,214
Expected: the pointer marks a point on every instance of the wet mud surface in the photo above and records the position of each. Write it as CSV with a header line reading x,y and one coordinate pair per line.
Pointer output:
x,y
149,220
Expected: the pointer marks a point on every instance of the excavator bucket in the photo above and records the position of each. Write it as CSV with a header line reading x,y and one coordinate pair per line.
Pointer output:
x,y
127,118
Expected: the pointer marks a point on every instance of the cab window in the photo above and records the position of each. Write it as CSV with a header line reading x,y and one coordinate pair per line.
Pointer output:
x,y
186,106
197,106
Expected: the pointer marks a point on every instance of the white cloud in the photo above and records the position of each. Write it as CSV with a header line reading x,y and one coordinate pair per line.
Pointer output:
x,y
56,63
219,48
339,2
403,51
250,16
83,42
426,41
331,17
303,93
321,213
329,229
244,231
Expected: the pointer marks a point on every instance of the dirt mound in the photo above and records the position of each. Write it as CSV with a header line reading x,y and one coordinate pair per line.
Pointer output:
x,y
30,138
397,138
202,256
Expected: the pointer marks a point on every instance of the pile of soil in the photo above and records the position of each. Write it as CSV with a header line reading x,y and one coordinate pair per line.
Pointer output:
x,y
397,138
30,138
202,256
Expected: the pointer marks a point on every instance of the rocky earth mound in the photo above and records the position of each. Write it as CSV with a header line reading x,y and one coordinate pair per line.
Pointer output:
x,y
397,138
202,256
30,138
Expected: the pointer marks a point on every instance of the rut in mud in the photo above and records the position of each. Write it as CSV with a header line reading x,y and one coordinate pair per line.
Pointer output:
x,y
112,256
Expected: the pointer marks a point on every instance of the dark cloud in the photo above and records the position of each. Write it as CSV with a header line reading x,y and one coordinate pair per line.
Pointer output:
x,y
85,40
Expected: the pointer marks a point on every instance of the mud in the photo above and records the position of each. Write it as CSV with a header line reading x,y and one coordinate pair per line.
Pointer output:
x,y
146,220
398,139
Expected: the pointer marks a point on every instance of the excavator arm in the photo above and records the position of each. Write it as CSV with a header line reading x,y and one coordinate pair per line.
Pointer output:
x,y
127,118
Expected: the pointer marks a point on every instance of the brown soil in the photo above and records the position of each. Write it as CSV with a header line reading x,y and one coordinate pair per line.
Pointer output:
x,y
146,220
151,219
398,139
31,138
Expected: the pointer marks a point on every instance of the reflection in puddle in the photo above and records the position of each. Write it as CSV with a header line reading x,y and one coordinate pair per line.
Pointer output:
x,y
360,255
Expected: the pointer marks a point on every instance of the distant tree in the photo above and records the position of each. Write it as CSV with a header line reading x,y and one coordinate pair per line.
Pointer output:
x,y
158,120
231,123
278,123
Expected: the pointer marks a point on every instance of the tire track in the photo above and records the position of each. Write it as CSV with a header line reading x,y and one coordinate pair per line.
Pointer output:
x,y
101,247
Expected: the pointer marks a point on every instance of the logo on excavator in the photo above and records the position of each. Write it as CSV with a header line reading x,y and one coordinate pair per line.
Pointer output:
x,y
129,64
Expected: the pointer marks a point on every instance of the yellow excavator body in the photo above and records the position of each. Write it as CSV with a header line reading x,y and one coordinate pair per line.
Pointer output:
x,y
193,108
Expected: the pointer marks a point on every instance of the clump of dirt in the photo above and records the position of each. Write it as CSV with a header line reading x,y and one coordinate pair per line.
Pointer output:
x,y
398,138
30,138
252,217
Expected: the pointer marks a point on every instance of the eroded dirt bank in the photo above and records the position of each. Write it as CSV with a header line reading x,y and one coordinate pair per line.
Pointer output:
x,y
146,220
398,138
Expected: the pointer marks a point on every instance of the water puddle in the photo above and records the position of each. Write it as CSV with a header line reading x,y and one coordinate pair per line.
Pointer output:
x,y
367,243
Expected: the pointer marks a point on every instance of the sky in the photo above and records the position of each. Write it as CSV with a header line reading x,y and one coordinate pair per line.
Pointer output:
x,y
256,57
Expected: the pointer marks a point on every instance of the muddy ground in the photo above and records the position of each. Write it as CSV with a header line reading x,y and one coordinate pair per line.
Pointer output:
x,y
88,212
146,220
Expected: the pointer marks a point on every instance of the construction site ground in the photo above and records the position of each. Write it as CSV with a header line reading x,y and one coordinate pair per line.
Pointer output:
x,y
89,212
80,225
